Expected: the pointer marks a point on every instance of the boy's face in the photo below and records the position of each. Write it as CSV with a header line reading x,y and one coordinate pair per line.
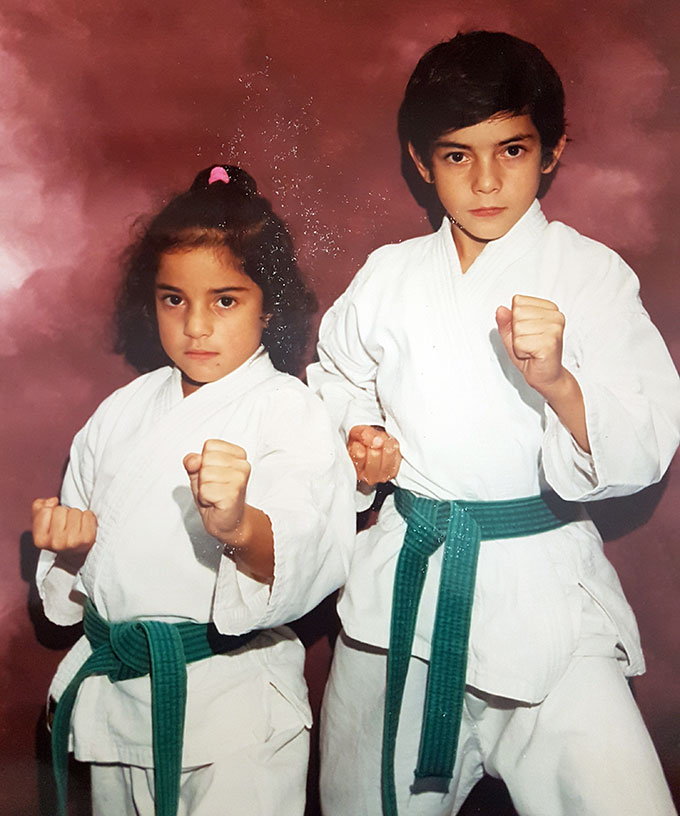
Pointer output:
x,y
486,177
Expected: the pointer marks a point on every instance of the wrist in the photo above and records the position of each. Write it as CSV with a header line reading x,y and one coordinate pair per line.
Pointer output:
x,y
562,388
247,530
251,544
566,400
240,534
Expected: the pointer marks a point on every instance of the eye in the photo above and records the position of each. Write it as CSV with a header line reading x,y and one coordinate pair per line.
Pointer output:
x,y
171,300
225,302
513,151
456,157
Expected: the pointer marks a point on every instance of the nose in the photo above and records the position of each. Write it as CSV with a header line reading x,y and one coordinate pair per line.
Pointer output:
x,y
487,178
197,323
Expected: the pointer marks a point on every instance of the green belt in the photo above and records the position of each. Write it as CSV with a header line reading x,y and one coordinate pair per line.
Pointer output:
x,y
459,526
134,649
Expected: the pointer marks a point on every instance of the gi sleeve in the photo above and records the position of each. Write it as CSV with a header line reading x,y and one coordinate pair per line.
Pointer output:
x,y
63,604
631,393
345,375
303,480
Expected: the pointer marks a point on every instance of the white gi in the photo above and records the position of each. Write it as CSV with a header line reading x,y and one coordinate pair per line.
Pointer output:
x,y
247,711
412,345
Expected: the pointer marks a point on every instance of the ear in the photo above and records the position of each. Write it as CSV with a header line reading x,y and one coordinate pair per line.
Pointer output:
x,y
265,318
557,152
422,169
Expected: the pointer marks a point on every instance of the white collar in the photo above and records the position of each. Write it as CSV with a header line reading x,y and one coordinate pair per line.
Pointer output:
x,y
257,363
504,250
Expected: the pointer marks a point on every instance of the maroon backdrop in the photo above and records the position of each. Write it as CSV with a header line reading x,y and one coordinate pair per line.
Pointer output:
x,y
106,107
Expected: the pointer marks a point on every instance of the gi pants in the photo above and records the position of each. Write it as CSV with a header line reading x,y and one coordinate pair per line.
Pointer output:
x,y
264,778
583,751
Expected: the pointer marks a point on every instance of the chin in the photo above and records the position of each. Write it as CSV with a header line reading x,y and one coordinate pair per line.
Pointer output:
x,y
483,238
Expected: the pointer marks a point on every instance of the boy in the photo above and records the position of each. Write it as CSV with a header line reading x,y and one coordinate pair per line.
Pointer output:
x,y
499,372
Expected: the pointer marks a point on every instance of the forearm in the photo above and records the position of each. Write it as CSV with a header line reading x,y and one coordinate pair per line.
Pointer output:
x,y
564,396
251,544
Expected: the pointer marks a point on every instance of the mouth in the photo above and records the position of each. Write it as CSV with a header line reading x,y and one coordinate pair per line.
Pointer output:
x,y
487,212
199,354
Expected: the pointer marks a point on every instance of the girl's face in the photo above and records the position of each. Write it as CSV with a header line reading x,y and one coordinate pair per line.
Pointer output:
x,y
209,313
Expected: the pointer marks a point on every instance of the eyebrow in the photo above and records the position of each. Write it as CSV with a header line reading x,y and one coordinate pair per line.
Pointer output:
x,y
221,290
519,137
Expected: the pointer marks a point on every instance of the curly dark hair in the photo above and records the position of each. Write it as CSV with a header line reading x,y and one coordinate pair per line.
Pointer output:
x,y
225,213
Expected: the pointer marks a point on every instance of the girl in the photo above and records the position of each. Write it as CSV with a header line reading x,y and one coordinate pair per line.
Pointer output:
x,y
204,506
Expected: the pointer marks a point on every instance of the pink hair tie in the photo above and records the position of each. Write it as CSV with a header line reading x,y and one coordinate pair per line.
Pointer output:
x,y
218,174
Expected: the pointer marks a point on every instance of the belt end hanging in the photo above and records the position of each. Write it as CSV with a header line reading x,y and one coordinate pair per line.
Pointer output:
x,y
431,784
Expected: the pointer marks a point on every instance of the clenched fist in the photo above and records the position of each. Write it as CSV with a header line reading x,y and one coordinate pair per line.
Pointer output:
x,y
219,477
532,333
64,530
375,454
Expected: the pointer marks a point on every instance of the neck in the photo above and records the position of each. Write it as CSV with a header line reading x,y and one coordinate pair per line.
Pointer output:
x,y
468,246
189,385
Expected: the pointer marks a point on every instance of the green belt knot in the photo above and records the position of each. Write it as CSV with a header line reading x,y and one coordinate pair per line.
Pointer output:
x,y
129,649
128,641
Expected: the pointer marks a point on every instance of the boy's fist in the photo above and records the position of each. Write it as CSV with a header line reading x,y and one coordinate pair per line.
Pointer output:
x,y
532,333
64,530
219,476
375,454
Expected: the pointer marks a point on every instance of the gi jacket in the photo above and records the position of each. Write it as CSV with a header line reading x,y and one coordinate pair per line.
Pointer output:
x,y
154,559
413,345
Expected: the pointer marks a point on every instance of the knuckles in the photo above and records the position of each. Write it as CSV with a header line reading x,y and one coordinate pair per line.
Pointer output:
x,y
224,472
223,447
222,485
38,505
375,465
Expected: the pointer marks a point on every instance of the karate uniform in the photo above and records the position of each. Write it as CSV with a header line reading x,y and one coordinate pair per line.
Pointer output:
x,y
412,345
247,711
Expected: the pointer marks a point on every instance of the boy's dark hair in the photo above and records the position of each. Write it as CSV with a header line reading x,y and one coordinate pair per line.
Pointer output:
x,y
219,214
473,77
